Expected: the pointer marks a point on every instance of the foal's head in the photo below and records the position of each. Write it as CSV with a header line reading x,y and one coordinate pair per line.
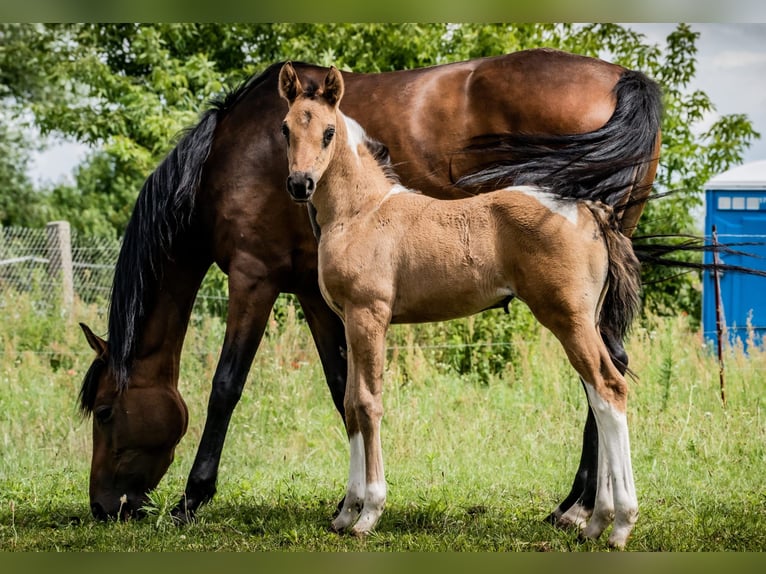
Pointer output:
x,y
309,128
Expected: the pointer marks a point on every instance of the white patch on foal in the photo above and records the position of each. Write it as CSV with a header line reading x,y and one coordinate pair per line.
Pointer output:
x,y
356,133
355,489
398,188
616,491
395,190
566,208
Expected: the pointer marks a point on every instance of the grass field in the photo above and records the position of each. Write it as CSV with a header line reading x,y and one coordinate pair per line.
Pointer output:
x,y
471,465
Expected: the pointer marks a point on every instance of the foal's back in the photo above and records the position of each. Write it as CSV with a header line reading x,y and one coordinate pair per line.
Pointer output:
x,y
448,259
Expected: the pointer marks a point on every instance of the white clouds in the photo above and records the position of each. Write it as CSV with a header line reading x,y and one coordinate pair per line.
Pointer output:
x,y
729,59
731,69
55,163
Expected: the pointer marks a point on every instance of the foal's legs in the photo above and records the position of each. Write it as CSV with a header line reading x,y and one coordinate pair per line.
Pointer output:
x,y
366,489
577,507
606,388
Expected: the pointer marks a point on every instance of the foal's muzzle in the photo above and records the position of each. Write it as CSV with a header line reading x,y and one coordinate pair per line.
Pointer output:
x,y
300,185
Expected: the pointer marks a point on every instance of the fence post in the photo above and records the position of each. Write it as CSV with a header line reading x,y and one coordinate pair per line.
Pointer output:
x,y
720,322
60,260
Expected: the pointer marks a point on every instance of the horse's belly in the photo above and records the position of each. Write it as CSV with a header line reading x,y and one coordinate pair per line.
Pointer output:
x,y
430,303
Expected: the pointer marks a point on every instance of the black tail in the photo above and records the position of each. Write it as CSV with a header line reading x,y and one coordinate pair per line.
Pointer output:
x,y
663,251
164,208
599,165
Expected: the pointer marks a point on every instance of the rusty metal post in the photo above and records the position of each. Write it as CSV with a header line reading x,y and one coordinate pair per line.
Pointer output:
x,y
720,322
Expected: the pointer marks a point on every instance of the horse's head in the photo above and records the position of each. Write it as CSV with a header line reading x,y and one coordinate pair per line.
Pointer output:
x,y
309,128
135,433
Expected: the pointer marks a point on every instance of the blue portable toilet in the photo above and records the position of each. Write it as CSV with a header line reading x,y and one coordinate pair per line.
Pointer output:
x,y
735,203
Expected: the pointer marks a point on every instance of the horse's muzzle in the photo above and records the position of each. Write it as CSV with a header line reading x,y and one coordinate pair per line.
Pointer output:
x,y
300,185
124,510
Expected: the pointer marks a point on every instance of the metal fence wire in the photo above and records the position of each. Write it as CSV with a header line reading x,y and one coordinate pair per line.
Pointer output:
x,y
56,264
29,262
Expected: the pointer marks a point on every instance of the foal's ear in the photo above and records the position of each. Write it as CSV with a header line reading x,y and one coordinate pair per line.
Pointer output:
x,y
333,86
289,84
96,343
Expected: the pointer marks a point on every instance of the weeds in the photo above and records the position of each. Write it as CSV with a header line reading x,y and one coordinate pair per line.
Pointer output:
x,y
473,463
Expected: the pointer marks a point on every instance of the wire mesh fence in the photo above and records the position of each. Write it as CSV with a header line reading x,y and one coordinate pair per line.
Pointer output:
x,y
37,260
56,265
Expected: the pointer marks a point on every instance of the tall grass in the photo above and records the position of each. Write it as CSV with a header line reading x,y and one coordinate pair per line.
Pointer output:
x,y
473,462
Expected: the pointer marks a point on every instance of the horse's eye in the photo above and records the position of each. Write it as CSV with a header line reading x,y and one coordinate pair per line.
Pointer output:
x,y
328,134
103,414
286,132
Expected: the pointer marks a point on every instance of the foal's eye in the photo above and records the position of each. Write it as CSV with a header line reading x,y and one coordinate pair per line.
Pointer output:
x,y
286,132
103,414
328,134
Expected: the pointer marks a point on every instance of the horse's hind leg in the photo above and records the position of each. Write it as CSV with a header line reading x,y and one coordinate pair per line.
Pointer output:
x,y
606,388
329,337
577,507
250,303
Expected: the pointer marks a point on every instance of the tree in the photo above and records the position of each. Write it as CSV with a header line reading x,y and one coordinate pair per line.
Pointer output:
x,y
18,203
129,89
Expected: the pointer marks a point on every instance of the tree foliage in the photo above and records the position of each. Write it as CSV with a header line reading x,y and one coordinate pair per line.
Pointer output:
x,y
127,90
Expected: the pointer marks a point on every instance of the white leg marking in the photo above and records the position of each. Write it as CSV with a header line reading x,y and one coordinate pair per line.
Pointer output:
x,y
356,485
576,515
374,503
603,507
616,491
375,496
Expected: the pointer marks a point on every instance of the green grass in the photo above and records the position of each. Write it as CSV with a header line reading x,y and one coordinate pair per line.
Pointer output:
x,y
472,465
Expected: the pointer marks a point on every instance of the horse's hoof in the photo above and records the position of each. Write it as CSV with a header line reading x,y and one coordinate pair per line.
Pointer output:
x,y
575,517
553,517
182,516
338,526
339,507
359,533
617,545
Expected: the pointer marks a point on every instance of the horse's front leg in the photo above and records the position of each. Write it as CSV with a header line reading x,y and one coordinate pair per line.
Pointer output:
x,y
250,303
366,488
330,339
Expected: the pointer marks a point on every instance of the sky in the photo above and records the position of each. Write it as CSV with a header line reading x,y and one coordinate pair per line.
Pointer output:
x,y
731,62
731,70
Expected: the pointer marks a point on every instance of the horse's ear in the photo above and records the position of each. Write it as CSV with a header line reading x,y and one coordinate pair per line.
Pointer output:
x,y
333,86
289,84
96,343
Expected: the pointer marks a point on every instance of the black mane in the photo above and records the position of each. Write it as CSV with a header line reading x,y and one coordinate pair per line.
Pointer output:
x,y
162,212
379,152
87,396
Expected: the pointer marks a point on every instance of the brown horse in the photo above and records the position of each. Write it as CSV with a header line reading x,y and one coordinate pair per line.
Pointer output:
x,y
218,197
391,255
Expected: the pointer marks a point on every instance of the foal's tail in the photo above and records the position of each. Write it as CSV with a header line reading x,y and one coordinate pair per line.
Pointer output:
x,y
622,300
